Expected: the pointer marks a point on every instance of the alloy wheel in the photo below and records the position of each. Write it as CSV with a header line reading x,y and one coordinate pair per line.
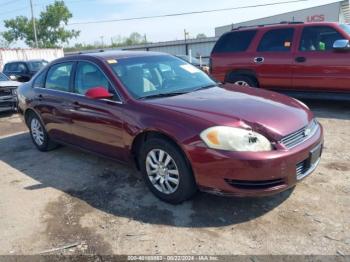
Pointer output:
x,y
241,83
162,171
37,131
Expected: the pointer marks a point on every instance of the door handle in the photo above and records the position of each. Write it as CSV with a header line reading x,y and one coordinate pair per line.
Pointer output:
x,y
259,60
40,97
76,105
300,59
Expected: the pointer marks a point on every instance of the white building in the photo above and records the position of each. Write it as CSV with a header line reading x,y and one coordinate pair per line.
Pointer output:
x,y
334,12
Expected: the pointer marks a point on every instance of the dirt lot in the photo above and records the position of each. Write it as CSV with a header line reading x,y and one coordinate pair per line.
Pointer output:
x,y
64,197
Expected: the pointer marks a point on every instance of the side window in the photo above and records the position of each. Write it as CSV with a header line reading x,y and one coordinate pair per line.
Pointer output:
x,y
39,81
234,42
277,40
318,38
58,77
89,76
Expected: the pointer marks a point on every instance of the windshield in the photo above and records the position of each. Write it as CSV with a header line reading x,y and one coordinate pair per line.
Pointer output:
x,y
161,74
3,77
37,65
346,28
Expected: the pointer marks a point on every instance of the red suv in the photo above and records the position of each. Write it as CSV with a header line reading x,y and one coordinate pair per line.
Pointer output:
x,y
308,57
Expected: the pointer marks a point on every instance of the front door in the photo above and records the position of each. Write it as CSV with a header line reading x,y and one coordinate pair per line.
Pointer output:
x,y
317,66
97,124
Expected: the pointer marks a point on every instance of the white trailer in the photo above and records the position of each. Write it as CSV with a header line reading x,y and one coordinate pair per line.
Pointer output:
x,y
8,55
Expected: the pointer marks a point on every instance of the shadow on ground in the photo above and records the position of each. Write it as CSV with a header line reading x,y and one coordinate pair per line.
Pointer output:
x,y
119,190
329,109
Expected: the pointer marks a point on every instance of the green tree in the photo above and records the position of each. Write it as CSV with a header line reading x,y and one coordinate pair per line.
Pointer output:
x,y
201,35
3,42
135,39
51,30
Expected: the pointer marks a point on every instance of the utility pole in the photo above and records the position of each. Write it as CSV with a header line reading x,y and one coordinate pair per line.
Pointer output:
x,y
34,26
186,45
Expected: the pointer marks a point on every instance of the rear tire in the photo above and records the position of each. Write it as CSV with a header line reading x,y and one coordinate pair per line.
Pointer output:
x,y
39,135
166,171
243,80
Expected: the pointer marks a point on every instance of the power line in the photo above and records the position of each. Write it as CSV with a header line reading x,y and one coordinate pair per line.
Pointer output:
x,y
9,2
184,13
39,4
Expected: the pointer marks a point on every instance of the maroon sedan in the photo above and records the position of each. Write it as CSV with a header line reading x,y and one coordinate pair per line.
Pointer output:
x,y
181,129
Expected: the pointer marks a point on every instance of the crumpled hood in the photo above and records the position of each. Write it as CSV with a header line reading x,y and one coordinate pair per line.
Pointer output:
x,y
267,112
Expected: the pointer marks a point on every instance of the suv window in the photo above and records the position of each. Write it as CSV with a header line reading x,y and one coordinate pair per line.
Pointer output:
x,y
277,40
234,42
58,77
40,80
318,38
89,76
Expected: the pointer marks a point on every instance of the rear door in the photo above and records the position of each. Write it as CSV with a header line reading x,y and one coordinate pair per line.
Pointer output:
x,y
273,59
317,66
97,124
231,53
53,100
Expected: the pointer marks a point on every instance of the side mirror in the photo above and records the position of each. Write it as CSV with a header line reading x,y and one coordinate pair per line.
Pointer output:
x,y
341,45
98,93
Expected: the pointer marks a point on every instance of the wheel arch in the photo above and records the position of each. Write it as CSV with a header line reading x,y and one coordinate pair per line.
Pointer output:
x,y
28,112
147,134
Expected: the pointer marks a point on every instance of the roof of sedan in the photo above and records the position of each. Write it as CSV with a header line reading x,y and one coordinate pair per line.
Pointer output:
x,y
118,54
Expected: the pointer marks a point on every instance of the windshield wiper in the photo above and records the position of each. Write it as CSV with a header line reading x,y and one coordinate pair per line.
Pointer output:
x,y
162,95
204,87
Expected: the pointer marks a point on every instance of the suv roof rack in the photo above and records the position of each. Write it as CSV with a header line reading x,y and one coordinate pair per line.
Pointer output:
x,y
262,25
90,51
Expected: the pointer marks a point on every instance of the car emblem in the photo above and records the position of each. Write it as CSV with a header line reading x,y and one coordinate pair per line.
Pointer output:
x,y
307,132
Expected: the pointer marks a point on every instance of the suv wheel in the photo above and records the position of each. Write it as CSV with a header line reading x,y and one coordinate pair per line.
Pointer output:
x,y
39,135
242,80
166,171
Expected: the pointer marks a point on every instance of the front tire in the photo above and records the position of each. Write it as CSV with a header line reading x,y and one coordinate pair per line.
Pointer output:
x,y
39,135
242,80
166,171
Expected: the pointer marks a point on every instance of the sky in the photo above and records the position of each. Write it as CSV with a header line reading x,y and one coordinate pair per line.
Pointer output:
x,y
158,29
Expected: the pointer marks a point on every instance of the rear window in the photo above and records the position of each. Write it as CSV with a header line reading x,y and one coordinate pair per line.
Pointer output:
x,y
234,42
12,67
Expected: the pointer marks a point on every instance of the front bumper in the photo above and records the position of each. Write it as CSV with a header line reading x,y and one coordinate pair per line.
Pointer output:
x,y
254,174
8,103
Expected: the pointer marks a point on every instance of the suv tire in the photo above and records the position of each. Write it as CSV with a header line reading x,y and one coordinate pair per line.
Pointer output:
x,y
242,80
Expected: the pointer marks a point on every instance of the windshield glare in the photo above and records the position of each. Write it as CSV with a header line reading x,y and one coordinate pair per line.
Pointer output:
x,y
3,77
160,74
346,28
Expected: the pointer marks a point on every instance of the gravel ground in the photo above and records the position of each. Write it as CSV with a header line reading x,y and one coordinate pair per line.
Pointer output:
x,y
67,197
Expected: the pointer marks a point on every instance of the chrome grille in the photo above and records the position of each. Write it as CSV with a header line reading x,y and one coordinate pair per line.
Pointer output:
x,y
300,135
5,92
301,169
